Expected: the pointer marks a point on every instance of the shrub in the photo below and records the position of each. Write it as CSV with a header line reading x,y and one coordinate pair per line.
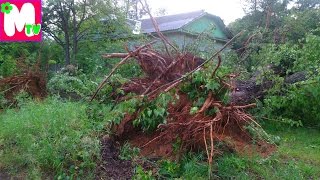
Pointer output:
x,y
154,114
75,87
300,104
50,138
7,65
310,55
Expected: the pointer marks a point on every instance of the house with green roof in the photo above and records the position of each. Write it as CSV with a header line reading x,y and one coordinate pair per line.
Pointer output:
x,y
198,30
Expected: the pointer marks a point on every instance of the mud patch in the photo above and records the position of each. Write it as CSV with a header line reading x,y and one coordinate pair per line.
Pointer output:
x,y
111,166
4,176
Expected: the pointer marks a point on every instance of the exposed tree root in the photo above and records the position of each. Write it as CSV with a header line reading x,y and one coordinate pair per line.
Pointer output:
x,y
199,131
33,83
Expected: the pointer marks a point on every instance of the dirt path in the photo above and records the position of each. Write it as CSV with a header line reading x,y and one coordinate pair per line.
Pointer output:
x,y
4,176
111,166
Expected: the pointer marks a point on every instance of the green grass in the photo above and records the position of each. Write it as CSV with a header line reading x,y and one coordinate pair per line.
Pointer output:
x,y
58,139
297,157
48,139
302,144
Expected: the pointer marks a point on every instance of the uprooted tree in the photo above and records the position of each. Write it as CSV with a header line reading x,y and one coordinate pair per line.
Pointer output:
x,y
181,98
30,80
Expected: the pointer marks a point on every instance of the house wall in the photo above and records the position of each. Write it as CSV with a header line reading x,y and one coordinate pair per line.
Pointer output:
x,y
186,42
192,39
205,24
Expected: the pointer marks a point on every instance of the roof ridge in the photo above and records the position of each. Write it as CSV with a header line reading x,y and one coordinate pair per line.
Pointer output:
x,y
202,11
193,19
176,21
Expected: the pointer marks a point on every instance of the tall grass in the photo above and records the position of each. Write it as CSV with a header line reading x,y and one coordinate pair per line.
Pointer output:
x,y
48,139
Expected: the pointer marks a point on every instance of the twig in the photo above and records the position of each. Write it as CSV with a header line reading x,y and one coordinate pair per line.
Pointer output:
x,y
132,54
151,141
155,24
217,67
211,151
205,141
241,107
179,80
9,89
115,55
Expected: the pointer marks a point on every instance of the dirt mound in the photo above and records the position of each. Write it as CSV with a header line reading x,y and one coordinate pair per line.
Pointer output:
x,y
198,131
33,83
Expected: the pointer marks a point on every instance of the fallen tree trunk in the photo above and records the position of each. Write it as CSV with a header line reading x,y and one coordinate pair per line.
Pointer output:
x,y
247,91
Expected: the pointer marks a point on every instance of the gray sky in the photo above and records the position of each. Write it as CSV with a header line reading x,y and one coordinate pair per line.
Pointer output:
x,y
228,10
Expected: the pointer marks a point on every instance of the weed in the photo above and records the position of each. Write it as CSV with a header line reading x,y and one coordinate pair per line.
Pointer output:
x,y
169,169
154,114
128,153
141,174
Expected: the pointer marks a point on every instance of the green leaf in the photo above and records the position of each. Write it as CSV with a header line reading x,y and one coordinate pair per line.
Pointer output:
x,y
194,110
212,85
149,112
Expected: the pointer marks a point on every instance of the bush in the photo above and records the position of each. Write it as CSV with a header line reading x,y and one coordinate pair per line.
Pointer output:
x,y
7,65
300,104
48,139
74,87
154,114
310,55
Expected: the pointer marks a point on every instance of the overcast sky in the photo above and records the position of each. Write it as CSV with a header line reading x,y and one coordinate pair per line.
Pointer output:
x,y
228,10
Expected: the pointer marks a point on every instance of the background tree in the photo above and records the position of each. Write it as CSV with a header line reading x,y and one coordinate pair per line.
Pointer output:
x,y
68,22
307,4
271,23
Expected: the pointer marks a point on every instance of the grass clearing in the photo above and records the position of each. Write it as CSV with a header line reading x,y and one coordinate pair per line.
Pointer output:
x,y
302,144
298,157
48,139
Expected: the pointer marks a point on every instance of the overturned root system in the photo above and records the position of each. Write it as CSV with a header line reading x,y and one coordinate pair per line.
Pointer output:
x,y
199,130
195,131
33,83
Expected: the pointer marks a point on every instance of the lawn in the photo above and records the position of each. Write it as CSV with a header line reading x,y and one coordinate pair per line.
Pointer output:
x,y
297,157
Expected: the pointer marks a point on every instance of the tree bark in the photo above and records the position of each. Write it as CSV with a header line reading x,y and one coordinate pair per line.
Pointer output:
x,y
65,17
67,50
74,36
248,91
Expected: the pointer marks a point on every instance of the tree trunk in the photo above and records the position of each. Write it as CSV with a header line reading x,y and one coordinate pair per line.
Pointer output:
x,y
67,45
75,43
67,50
248,91
64,14
74,36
